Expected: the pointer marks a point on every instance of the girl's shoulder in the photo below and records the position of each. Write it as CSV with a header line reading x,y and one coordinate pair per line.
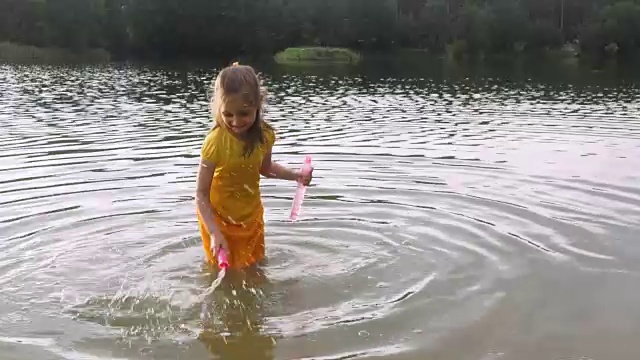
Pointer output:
x,y
215,135
212,143
269,133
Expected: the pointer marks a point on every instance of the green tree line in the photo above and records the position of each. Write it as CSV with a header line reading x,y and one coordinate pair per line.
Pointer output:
x,y
195,28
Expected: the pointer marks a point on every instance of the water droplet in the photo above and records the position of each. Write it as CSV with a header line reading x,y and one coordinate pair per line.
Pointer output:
x,y
363,333
417,331
382,285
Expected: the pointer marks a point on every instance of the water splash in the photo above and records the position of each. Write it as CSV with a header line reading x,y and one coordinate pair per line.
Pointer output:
x,y
223,265
214,285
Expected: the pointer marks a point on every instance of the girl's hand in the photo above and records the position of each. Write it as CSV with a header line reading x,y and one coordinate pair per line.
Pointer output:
x,y
305,179
219,242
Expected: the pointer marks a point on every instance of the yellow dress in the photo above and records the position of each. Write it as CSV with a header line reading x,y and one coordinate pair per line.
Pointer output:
x,y
235,196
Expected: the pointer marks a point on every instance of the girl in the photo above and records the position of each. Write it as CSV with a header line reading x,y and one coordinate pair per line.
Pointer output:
x,y
233,156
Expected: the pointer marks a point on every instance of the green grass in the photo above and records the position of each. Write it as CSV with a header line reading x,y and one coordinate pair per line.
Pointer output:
x,y
317,55
19,53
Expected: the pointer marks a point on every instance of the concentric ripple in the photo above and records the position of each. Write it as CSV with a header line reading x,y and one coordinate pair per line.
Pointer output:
x,y
459,219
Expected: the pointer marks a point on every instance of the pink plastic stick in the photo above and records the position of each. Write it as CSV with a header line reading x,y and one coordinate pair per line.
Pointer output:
x,y
297,199
223,262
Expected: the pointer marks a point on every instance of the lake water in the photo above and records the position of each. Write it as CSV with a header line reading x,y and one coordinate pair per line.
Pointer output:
x,y
451,217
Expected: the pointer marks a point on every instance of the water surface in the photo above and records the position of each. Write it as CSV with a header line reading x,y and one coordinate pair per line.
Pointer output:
x,y
451,217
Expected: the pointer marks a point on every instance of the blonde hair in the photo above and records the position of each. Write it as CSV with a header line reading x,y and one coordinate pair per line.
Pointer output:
x,y
240,80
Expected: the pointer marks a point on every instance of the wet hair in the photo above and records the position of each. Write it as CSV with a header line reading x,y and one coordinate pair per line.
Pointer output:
x,y
241,80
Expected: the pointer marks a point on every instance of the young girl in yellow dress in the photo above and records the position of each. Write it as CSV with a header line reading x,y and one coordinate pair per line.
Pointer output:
x,y
233,156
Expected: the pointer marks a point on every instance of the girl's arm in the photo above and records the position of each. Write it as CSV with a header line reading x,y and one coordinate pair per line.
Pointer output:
x,y
274,170
203,190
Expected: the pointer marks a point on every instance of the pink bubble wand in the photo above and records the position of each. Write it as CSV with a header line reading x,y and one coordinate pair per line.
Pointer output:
x,y
223,260
300,191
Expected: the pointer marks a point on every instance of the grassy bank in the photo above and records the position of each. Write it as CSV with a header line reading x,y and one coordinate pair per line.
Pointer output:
x,y
317,55
19,53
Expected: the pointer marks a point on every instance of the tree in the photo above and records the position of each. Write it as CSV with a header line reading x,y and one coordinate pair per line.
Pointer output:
x,y
194,28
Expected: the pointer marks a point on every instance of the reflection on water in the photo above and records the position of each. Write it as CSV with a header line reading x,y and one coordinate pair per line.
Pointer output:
x,y
237,330
451,217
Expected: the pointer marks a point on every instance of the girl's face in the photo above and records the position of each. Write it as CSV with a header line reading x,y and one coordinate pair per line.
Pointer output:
x,y
238,115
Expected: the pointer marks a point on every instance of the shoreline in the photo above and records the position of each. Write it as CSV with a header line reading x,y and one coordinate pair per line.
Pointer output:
x,y
30,54
314,56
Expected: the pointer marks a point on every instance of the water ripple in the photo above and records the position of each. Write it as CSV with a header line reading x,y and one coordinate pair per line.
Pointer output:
x,y
433,203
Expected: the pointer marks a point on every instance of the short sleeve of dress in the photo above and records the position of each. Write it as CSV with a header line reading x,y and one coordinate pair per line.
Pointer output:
x,y
270,137
210,147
